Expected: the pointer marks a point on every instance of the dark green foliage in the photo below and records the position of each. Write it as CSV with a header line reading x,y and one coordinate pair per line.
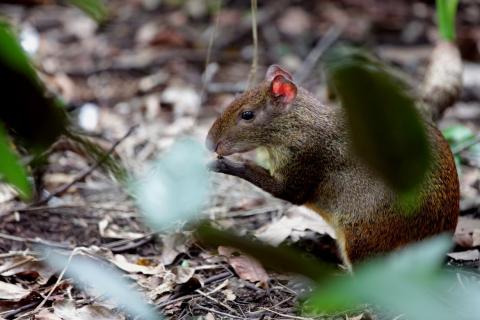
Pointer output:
x,y
11,170
385,126
94,8
33,118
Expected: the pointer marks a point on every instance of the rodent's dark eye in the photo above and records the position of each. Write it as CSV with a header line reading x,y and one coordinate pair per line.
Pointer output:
x,y
247,115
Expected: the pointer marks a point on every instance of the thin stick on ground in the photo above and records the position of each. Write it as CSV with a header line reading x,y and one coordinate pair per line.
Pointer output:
x,y
35,241
60,278
229,316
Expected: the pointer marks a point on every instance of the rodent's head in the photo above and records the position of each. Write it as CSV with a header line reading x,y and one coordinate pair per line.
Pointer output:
x,y
250,120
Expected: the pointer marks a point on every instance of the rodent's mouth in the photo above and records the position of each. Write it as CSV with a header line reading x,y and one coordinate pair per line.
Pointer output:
x,y
224,150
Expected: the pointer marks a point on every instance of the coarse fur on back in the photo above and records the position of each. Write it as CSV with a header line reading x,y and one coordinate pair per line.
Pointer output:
x,y
311,163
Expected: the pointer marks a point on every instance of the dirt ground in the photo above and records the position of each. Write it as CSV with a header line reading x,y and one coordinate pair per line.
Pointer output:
x,y
144,67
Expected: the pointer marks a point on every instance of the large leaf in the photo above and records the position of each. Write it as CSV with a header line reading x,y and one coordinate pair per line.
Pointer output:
x,y
409,282
11,170
26,111
175,188
108,282
385,127
446,13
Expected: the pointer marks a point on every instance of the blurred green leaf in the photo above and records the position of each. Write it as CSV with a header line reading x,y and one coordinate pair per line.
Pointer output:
x,y
10,168
386,128
175,189
29,115
107,281
277,258
409,282
446,13
94,8
458,134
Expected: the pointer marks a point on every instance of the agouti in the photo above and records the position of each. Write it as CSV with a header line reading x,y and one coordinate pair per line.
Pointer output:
x,y
311,164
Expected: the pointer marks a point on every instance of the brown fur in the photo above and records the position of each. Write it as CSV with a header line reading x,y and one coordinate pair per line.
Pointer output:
x,y
311,164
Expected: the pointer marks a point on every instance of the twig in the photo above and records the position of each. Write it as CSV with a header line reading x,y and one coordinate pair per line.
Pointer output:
x,y
60,277
322,45
215,300
87,172
253,69
128,244
218,277
286,316
13,313
37,241
17,254
166,303
208,75
229,316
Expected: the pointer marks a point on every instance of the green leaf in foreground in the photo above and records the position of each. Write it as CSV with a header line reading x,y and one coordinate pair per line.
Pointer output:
x,y
446,13
387,131
11,170
278,258
34,119
175,189
458,134
409,282
94,8
106,281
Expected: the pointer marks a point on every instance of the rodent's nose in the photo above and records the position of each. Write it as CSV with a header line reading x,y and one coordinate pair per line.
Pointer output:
x,y
212,146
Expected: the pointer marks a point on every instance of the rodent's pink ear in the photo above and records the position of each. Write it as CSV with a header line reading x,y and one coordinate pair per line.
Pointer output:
x,y
274,70
284,89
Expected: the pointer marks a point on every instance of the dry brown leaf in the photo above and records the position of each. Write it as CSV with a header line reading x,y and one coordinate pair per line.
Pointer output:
x,y
46,315
173,245
469,255
113,231
293,224
246,267
10,291
229,295
122,262
183,274
68,311
44,272
209,316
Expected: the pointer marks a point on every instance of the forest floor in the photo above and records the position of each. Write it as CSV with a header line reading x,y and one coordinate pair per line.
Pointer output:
x,y
144,67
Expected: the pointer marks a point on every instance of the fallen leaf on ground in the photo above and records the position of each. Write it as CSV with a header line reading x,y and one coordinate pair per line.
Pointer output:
x,y
68,311
246,267
469,255
41,272
122,262
183,274
173,245
10,291
294,223
47,315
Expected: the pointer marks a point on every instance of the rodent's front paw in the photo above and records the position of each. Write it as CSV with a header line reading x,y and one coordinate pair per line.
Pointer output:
x,y
224,165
